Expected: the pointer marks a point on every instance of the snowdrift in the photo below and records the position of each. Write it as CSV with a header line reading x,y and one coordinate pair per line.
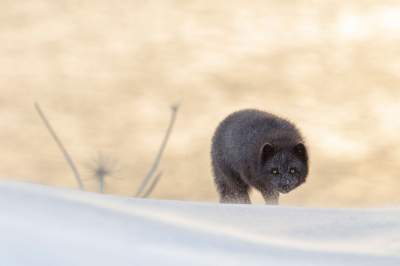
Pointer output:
x,y
50,226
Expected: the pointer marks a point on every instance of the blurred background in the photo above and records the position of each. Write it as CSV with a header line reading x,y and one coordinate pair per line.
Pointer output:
x,y
106,73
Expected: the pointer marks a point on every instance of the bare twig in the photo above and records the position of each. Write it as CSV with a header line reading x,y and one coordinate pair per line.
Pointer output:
x,y
103,166
61,146
153,168
152,185
101,184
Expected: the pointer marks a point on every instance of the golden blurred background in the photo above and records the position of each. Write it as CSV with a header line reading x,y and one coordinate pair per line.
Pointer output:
x,y
105,73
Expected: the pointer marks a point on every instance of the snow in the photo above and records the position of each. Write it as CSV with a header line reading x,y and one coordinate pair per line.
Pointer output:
x,y
41,225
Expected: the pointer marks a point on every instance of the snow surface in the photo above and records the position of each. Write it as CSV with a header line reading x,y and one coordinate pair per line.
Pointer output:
x,y
51,226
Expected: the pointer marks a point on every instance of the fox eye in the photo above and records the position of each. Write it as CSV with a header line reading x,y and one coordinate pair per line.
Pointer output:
x,y
292,170
274,171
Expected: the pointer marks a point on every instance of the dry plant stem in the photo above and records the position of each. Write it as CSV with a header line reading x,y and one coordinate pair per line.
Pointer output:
x,y
152,185
157,160
101,184
61,146
103,167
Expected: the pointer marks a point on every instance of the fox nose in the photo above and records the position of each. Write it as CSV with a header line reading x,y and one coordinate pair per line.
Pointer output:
x,y
286,184
285,181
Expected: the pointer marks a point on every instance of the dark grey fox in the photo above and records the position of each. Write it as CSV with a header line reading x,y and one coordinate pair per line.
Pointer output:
x,y
251,148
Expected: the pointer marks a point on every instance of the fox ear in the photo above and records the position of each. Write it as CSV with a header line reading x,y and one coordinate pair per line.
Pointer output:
x,y
266,152
300,151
